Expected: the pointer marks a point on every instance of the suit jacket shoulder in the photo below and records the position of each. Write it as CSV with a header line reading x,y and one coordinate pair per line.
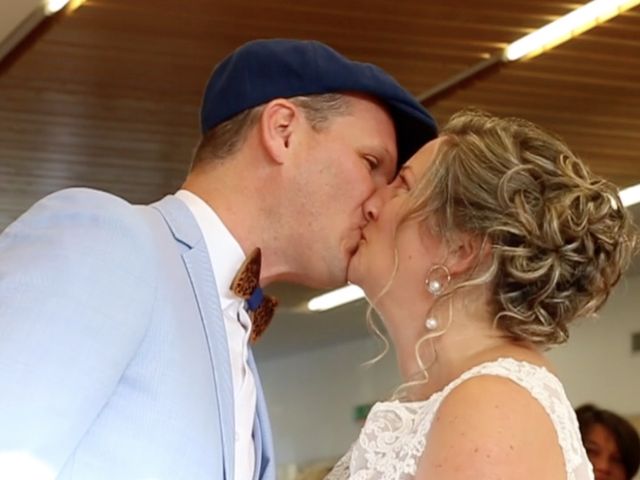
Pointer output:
x,y
77,291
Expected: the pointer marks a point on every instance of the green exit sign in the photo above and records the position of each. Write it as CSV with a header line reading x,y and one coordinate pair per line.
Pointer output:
x,y
360,412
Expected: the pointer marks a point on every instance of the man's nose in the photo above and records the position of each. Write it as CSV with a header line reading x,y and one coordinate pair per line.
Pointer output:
x,y
371,206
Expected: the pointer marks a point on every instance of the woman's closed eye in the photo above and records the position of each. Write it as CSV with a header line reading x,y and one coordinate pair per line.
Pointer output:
x,y
401,182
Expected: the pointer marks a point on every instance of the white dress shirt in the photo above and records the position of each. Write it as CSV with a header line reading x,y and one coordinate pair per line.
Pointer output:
x,y
226,257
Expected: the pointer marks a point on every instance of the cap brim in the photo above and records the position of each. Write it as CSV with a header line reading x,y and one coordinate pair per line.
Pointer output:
x,y
413,130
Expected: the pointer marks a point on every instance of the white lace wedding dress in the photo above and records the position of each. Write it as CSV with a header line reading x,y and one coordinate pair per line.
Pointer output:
x,y
395,434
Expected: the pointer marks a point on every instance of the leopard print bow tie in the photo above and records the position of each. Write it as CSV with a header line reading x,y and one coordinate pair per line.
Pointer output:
x,y
246,284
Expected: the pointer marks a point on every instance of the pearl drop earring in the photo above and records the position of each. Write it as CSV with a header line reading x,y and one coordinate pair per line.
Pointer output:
x,y
434,287
431,323
438,283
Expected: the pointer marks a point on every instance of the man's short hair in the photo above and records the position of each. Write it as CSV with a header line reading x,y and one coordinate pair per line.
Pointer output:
x,y
226,139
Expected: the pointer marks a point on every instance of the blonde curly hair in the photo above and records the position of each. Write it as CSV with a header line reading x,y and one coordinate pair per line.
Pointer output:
x,y
559,235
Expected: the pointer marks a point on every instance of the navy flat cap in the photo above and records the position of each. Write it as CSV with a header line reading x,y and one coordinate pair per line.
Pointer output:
x,y
262,70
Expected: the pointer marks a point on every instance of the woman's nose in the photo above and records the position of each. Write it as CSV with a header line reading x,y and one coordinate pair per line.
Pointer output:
x,y
601,467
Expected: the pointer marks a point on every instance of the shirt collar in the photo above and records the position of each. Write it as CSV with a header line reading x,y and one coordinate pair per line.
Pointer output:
x,y
225,252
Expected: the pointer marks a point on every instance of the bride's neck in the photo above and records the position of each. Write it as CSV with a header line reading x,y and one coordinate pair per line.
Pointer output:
x,y
468,339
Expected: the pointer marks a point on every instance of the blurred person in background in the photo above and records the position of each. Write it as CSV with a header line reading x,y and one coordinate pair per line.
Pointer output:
x,y
612,443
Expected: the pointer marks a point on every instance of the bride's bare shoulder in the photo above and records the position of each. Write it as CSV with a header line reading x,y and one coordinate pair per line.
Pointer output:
x,y
491,427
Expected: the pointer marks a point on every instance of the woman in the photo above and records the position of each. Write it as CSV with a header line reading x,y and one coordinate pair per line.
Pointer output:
x,y
490,241
612,443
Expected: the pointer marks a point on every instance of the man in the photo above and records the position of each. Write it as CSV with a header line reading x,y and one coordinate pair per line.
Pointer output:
x,y
123,352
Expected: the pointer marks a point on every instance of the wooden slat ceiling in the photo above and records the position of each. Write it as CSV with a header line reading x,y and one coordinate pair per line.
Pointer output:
x,y
107,96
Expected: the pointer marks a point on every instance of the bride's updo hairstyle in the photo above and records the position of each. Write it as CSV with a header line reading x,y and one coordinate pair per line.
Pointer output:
x,y
559,235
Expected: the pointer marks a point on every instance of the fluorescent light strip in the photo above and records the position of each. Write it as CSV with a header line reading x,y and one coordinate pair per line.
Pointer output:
x,y
53,6
630,195
564,28
335,298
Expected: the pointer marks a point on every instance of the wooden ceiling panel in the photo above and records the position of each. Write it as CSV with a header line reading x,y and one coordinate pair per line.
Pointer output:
x,y
586,90
107,96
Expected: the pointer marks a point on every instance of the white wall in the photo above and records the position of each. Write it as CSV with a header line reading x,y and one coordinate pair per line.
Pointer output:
x,y
597,364
13,13
312,395
17,18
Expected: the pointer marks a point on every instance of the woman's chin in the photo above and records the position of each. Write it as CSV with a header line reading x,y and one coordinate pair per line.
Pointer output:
x,y
355,275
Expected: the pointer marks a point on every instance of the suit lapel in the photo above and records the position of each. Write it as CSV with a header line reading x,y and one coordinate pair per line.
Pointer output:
x,y
264,466
198,265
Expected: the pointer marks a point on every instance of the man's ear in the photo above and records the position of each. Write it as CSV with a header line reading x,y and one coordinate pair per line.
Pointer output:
x,y
278,123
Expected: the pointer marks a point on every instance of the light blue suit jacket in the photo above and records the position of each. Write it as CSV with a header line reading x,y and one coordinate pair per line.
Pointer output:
x,y
114,362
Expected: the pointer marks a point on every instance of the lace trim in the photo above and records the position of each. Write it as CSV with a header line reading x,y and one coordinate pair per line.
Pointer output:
x,y
394,435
